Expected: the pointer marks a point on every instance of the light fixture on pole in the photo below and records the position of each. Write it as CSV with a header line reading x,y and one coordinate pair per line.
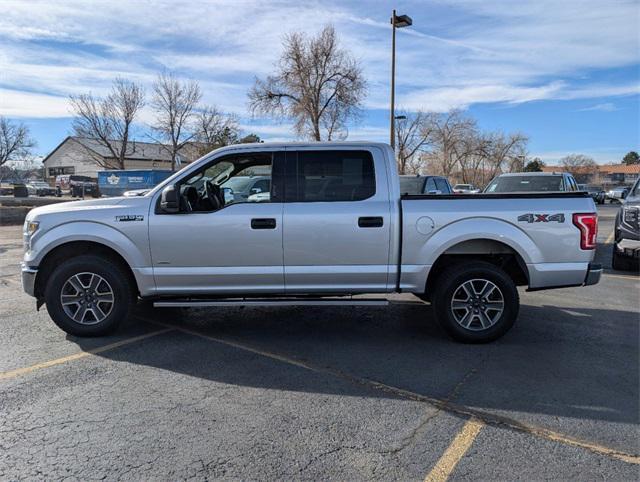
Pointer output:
x,y
397,21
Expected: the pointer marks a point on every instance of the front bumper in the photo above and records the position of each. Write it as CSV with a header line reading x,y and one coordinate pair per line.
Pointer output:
x,y
29,280
594,272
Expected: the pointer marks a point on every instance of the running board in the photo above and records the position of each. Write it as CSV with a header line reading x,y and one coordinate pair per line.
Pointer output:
x,y
178,303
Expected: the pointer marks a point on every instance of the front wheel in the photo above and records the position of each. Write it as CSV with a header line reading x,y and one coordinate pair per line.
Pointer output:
x,y
88,296
476,302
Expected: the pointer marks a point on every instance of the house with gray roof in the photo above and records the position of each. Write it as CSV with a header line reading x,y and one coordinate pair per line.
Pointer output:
x,y
84,156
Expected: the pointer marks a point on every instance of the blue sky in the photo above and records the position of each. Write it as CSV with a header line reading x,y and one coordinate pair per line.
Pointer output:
x,y
565,73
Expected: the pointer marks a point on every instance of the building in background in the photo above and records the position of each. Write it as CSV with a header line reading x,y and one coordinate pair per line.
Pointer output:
x,y
82,156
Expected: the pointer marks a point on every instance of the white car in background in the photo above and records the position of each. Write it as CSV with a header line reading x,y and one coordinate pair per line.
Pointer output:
x,y
465,189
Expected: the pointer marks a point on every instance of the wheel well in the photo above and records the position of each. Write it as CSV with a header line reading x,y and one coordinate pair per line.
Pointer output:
x,y
494,252
73,249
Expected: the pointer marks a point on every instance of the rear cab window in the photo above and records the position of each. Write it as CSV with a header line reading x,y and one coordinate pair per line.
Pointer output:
x,y
329,176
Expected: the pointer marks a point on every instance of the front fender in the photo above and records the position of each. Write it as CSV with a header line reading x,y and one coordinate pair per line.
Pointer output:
x,y
87,231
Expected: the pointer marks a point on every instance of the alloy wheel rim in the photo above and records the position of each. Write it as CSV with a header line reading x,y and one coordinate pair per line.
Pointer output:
x,y
477,304
87,298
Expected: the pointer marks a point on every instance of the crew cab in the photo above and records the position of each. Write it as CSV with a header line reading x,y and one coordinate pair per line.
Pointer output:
x,y
333,226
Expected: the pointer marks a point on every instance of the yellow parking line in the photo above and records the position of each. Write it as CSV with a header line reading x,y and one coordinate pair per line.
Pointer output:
x,y
610,238
454,453
483,417
621,276
59,361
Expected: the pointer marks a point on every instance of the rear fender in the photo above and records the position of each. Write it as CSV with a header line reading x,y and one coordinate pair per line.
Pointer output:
x,y
417,264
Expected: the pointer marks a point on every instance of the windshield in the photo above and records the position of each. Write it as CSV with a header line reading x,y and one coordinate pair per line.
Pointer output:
x,y
636,189
525,184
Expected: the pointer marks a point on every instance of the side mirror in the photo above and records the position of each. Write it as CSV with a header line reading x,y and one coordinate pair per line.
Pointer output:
x,y
435,191
255,190
228,195
170,199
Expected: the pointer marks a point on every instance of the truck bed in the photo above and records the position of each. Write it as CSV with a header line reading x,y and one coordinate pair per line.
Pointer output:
x,y
536,228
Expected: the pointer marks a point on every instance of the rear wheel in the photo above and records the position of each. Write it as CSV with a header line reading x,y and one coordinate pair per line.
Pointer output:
x,y
88,296
476,302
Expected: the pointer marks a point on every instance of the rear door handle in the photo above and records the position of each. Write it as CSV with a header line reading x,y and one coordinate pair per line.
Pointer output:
x,y
263,223
370,222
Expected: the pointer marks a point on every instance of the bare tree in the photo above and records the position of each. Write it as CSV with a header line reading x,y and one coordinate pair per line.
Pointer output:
x,y
581,167
459,149
174,102
318,85
414,134
109,121
505,153
453,133
15,141
215,129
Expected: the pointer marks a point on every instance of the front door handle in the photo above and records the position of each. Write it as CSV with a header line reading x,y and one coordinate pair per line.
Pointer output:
x,y
263,223
370,222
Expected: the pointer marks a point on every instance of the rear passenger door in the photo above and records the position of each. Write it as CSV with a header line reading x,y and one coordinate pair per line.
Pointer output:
x,y
336,222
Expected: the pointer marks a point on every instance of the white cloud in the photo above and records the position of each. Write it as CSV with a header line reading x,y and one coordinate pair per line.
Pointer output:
x,y
471,52
604,107
14,103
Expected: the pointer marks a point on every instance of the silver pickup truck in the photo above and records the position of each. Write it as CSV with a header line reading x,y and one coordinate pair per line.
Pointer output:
x,y
332,225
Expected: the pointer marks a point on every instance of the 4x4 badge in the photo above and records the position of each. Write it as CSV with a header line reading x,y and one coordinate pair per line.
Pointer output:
x,y
541,218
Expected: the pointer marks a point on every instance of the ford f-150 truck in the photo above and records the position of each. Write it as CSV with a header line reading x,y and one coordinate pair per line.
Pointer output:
x,y
332,225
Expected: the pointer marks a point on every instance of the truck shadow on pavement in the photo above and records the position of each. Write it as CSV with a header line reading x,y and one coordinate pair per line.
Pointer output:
x,y
573,363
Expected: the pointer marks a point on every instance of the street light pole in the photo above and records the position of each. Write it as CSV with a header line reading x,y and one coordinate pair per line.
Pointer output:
x,y
392,134
397,21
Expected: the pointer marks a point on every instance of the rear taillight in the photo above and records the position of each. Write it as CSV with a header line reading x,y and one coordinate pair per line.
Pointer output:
x,y
587,223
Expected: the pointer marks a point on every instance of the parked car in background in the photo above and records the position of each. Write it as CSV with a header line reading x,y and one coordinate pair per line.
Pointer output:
x,y
532,182
596,192
626,246
6,189
617,194
76,186
241,187
465,189
20,190
424,185
40,188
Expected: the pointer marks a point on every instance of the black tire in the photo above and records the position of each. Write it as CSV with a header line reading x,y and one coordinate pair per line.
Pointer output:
x,y
449,284
622,263
118,283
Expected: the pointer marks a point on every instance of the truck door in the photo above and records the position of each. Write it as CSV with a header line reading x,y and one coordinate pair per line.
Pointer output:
x,y
234,247
336,221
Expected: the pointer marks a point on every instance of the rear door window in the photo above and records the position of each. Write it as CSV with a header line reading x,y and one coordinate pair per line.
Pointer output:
x,y
330,176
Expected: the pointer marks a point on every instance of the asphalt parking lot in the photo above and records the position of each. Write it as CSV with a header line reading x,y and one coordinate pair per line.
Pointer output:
x,y
325,393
